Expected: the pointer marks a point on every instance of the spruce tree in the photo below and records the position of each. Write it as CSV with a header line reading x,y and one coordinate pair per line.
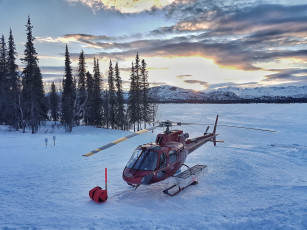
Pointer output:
x,y
34,103
139,108
81,90
13,84
111,97
106,110
135,95
120,109
54,103
97,99
68,97
89,108
131,100
145,106
3,80
137,75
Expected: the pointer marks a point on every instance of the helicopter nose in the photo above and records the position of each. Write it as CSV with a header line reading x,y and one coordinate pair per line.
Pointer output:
x,y
128,173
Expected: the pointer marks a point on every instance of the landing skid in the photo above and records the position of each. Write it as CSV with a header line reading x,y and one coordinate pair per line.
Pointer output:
x,y
185,179
169,192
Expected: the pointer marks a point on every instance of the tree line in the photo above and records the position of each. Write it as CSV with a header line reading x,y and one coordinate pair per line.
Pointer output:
x,y
82,99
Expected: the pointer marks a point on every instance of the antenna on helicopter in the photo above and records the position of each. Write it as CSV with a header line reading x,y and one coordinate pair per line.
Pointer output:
x,y
207,130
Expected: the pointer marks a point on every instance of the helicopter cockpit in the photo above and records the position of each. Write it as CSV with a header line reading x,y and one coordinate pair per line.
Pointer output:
x,y
143,159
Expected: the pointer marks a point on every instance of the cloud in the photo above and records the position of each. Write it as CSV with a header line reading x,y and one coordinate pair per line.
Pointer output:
x,y
203,83
184,76
232,84
49,39
52,73
240,36
237,54
125,6
288,74
101,38
54,69
52,77
243,36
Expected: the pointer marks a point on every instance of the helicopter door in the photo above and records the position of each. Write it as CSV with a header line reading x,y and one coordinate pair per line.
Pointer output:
x,y
172,161
172,156
162,165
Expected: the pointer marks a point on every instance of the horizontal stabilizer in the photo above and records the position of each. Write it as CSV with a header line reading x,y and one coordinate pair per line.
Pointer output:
x,y
217,141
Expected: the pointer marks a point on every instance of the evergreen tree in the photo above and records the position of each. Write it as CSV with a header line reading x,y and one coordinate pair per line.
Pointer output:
x,y
111,97
131,100
106,116
81,90
34,103
135,95
120,109
68,97
139,108
97,100
145,106
3,80
54,103
13,85
90,106
137,75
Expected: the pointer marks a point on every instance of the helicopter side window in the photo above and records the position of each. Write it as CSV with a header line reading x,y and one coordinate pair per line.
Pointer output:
x,y
163,160
162,164
159,140
172,156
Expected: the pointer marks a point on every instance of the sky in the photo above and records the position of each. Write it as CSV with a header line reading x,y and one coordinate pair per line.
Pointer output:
x,y
193,44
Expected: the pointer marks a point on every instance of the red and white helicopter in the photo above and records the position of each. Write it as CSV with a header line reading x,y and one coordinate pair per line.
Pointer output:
x,y
154,162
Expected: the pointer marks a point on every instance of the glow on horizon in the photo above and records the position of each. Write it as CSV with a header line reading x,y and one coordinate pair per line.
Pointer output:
x,y
177,70
192,72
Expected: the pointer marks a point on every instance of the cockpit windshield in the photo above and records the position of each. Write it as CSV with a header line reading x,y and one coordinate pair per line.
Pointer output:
x,y
143,159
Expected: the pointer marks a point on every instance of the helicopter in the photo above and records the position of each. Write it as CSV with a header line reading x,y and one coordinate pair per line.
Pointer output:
x,y
154,162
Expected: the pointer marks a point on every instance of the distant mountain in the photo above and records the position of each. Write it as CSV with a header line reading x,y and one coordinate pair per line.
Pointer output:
x,y
168,93
250,93
172,93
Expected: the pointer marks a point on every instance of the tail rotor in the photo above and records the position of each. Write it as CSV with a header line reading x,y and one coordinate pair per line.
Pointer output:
x,y
214,130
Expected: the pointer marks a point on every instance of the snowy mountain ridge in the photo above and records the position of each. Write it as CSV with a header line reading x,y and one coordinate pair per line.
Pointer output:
x,y
167,93
247,93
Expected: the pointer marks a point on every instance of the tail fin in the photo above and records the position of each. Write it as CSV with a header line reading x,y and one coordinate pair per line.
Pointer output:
x,y
214,130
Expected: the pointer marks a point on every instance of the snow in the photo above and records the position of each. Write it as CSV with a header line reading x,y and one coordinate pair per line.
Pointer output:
x,y
255,180
257,92
173,93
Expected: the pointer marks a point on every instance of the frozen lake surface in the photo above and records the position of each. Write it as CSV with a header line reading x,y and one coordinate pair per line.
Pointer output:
x,y
255,180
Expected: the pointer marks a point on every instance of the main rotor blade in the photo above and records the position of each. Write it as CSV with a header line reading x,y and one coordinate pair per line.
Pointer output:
x,y
233,126
118,141
184,123
242,127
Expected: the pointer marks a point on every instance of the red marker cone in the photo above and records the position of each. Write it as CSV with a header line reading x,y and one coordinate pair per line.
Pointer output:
x,y
99,195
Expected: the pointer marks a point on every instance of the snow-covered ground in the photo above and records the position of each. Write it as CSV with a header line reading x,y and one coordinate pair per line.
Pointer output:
x,y
255,180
